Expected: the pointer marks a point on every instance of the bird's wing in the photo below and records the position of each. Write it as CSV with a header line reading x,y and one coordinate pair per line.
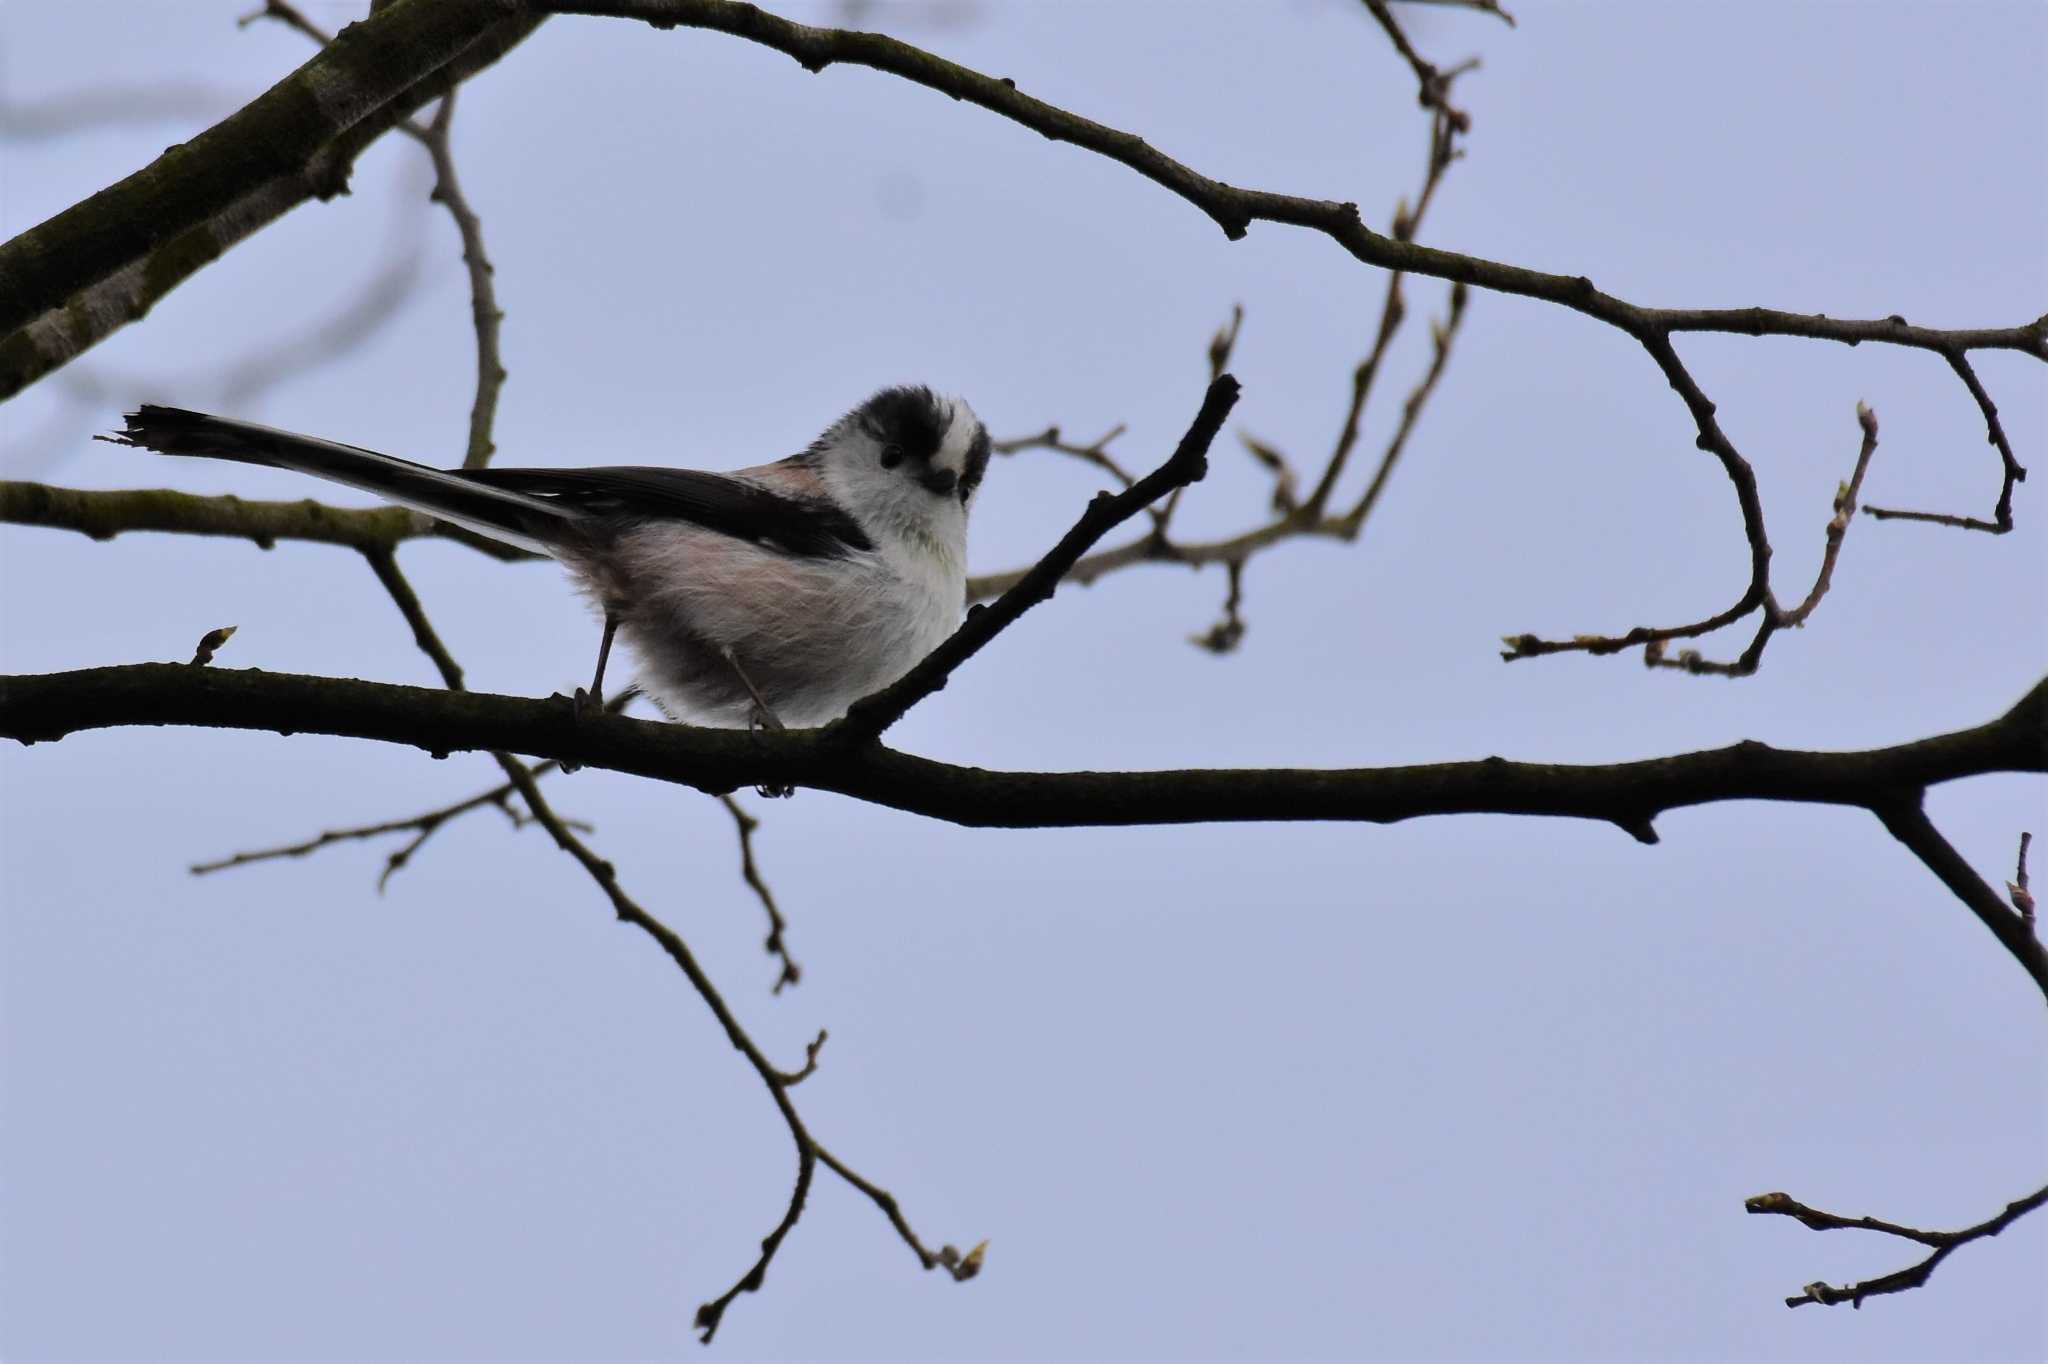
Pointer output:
x,y
809,527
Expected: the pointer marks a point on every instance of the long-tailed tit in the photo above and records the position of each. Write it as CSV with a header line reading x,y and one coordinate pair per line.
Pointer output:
x,y
779,593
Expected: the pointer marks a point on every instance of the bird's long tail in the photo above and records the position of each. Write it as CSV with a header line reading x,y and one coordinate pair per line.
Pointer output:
x,y
529,522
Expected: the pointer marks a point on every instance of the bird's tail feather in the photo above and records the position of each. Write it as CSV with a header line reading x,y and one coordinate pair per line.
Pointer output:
x,y
520,519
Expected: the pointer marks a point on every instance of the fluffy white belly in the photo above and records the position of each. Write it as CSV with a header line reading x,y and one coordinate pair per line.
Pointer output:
x,y
813,634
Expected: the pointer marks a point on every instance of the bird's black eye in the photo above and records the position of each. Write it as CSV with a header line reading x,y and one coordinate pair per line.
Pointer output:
x,y
892,455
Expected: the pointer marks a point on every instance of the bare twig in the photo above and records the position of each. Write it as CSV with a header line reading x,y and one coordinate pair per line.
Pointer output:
x,y
778,1081
1299,523
290,16
1906,821
1227,633
485,314
1433,87
1994,434
1484,6
212,640
1772,616
1095,453
2016,889
774,946
422,826
1292,517
1285,498
1944,1244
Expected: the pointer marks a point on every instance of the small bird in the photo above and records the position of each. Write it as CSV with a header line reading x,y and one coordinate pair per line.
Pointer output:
x,y
772,595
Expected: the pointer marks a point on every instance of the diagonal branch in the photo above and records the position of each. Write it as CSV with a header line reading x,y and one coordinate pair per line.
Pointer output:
x,y
778,1081
1906,821
1433,87
70,282
872,715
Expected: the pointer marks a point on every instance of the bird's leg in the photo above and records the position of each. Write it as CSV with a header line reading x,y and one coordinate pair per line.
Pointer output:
x,y
761,716
592,701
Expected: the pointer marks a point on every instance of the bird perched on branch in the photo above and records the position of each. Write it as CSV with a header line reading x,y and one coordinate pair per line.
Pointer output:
x,y
776,594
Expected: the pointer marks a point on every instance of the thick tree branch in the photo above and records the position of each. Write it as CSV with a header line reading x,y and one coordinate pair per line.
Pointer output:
x,y
68,283
48,706
486,317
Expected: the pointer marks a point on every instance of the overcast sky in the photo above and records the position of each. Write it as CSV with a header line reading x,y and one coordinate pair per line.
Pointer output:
x,y
1462,1088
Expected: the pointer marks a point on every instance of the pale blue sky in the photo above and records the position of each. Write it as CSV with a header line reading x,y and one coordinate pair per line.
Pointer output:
x,y
1468,1088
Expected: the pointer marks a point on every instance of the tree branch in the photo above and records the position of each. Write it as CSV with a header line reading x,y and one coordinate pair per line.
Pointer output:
x,y
71,281
1234,209
103,515
872,715
1906,821
1944,1243
43,707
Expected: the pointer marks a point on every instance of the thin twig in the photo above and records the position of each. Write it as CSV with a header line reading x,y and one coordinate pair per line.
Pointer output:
x,y
774,946
1441,334
1906,821
2016,889
1944,1243
1227,633
423,826
485,314
869,717
1774,617
1433,87
1994,433
778,1081
1485,6
1095,453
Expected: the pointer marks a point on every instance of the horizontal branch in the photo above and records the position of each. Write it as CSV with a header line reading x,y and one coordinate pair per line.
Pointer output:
x,y
43,707
104,514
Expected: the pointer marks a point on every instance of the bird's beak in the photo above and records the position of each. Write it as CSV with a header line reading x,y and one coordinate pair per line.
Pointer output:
x,y
940,481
